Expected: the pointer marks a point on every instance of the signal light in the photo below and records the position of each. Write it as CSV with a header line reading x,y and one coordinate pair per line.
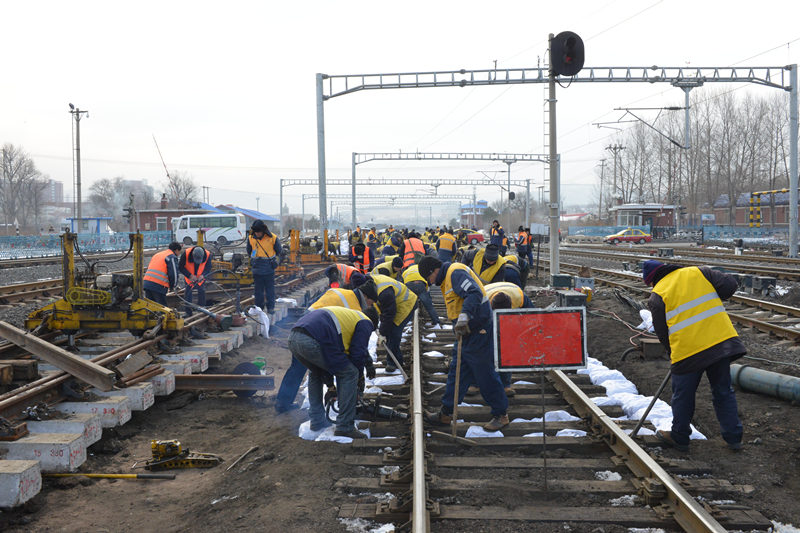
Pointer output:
x,y
566,53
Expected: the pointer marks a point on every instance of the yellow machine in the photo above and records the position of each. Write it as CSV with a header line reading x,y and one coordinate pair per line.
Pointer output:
x,y
107,302
168,454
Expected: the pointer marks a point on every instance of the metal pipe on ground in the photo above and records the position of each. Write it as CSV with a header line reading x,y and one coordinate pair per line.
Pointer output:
x,y
766,382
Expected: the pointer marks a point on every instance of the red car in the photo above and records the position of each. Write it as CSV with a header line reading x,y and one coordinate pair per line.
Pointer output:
x,y
472,237
629,235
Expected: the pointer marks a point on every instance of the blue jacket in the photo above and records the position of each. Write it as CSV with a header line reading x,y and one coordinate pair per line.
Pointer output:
x,y
321,327
475,305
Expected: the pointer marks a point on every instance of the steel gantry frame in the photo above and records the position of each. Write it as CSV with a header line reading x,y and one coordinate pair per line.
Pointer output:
x,y
783,77
431,182
396,204
507,158
407,198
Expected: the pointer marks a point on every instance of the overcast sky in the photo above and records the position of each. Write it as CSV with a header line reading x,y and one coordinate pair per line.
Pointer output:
x,y
228,90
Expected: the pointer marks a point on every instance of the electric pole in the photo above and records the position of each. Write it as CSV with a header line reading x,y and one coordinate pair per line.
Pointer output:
x,y
602,172
615,148
77,115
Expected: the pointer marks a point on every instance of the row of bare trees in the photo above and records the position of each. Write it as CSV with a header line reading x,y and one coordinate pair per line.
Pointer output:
x,y
21,188
739,144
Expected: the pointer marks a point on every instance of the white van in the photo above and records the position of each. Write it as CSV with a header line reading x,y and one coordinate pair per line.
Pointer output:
x,y
221,228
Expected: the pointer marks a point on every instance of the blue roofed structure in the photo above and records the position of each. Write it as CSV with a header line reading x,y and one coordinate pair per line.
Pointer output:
x,y
208,207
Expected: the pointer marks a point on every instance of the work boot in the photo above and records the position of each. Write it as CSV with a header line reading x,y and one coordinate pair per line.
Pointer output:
x,y
665,438
438,418
353,434
390,369
322,425
473,390
496,424
735,446
510,392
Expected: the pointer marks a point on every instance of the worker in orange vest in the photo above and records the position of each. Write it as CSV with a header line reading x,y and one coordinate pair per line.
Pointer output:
x,y
362,258
412,250
195,264
162,274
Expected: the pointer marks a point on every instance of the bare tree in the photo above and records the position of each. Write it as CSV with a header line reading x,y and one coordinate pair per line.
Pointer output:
x,y
181,189
20,186
110,195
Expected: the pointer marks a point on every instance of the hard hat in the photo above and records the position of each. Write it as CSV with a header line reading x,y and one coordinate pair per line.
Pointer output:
x,y
198,255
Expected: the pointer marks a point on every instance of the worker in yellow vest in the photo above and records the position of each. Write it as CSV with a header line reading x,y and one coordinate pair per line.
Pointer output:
x,y
264,250
468,308
390,267
691,323
395,304
446,246
419,286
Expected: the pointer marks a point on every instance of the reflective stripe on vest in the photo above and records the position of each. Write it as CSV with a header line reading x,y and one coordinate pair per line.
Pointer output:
x,y
194,269
345,321
345,271
404,298
337,298
453,301
385,269
695,315
157,269
510,289
486,276
363,265
412,246
263,247
412,274
447,242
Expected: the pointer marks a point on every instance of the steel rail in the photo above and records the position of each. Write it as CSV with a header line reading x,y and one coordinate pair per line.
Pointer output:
x,y
689,514
420,517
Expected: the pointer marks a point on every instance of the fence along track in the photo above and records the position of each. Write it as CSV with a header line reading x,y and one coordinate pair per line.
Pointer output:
x,y
491,480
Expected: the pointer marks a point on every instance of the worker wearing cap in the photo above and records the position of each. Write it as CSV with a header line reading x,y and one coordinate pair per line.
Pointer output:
x,y
419,286
523,243
396,304
161,274
344,276
195,264
390,267
469,309
392,245
445,246
412,250
372,241
290,384
691,323
264,250
505,295
362,258
487,263
333,341
496,234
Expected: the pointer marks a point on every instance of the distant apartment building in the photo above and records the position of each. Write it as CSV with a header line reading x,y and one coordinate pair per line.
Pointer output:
x,y
53,194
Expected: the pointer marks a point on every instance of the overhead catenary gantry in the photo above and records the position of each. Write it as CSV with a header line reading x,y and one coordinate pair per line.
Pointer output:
x,y
398,204
507,158
430,182
781,77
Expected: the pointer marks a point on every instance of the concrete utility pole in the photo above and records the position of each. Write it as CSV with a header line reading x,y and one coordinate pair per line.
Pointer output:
x,y
602,173
554,165
615,149
76,114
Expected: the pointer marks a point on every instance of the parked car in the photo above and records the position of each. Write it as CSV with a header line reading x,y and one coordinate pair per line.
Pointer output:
x,y
469,236
628,235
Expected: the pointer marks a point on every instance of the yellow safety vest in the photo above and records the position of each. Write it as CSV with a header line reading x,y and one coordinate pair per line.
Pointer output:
x,y
385,269
452,300
337,298
346,321
696,317
263,247
412,274
487,275
404,298
447,241
510,289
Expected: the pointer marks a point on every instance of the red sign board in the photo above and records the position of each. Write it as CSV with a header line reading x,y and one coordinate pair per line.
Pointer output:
x,y
539,339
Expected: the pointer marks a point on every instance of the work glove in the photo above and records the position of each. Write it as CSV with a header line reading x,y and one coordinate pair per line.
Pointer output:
x,y
462,327
381,339
370,369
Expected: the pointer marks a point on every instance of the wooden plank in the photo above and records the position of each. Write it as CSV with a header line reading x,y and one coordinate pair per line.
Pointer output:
x,y
532,444
134,363
91,373
495,462
6,374
24,369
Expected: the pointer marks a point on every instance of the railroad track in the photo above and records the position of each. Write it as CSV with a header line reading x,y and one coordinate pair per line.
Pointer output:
x,y
541,481
57,258
789,272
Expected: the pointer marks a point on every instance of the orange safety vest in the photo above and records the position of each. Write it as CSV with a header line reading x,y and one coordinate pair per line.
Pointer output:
x,y
524,238
412,246
194,269
345,271
157,269
363,265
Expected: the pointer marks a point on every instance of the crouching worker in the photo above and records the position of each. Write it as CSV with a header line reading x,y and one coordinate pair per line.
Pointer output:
x,y
505,295
396,304
333,341
468,306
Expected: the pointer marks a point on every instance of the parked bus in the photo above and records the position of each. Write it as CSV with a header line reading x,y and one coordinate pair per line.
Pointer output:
x,y
220,227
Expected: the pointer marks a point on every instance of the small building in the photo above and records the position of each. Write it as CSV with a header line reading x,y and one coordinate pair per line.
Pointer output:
x,y
472,214
161,219
774,211
653,215
88,224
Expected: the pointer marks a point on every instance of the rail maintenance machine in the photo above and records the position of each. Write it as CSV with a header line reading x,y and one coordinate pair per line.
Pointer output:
x,y
108,302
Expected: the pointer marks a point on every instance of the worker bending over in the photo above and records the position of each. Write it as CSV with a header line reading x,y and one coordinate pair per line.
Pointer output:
x,y
396,304
161,275
195,264
468,306
419,286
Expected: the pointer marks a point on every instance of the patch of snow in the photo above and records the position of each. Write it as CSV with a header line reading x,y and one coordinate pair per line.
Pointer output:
x,y
647,320
607,475
383,381
629,500
224,499
433,354
360,525
777,527
475,432
534,434
571,433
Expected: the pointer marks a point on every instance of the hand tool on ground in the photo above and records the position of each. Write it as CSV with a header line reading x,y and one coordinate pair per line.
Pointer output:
x,y
396,362
252,449
116,476
170,454
448,436
652,403
459,340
